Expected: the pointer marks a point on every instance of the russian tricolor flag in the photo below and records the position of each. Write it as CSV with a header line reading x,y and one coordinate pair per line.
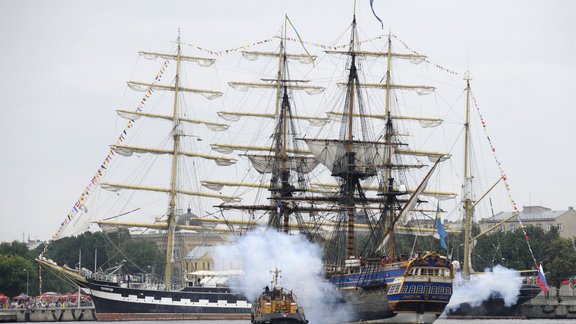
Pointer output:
x,y
542,279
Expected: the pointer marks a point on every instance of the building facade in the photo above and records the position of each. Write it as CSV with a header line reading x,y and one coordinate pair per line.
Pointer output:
x,y
538,216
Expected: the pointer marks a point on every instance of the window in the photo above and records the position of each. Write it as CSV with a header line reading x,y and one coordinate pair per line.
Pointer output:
x,y
419,289
412,289
426,289
548,227
434,289
448,290
404,289
512,228
441,290
559,226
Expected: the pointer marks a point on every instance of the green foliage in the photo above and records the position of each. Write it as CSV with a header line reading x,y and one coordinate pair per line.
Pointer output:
x,y
110,249
560,261
15,248
511,250
17,272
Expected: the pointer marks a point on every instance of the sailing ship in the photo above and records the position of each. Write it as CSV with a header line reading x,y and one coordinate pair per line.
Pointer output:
x,y
363,275
367,165
366,281
495,306
277,305
123,296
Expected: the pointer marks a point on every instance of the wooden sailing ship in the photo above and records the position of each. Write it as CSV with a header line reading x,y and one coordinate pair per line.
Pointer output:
x,y
354,160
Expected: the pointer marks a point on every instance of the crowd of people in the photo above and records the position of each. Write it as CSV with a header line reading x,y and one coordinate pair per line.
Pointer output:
x,y
45,300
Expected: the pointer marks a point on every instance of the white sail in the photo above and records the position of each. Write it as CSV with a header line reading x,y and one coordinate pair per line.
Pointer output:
x,y
265,163
134,115
126,150
202,61
302,58
244,86
235,116
419,89
425,122
115,187
331,153
142,86
229,148
413,58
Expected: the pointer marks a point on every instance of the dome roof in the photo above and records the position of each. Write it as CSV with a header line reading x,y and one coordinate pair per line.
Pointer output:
x,y
188,218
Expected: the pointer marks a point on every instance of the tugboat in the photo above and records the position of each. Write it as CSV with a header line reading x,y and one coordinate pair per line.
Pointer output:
x,y
277,306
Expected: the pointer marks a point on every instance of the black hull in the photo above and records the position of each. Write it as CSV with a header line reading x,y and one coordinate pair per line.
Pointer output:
x,y
278,319
368,304
495,307
117,303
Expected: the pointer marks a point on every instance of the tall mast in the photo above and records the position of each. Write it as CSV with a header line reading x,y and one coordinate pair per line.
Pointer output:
x,y
349,182
285,173
388,180
467,199
174,176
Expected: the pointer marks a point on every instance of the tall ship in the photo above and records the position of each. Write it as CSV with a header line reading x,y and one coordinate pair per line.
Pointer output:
x,y
378,277
348,193
495,305
120,295
346,170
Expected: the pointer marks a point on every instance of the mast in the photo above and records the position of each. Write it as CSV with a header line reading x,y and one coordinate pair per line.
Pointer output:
x,y
388,180
283,159
467,199
174,175
350,154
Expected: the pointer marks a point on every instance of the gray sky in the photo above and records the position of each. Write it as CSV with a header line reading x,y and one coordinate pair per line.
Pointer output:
x,y
65,64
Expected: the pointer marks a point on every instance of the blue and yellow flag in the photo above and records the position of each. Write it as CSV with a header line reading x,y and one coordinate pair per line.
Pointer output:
x,y
440,228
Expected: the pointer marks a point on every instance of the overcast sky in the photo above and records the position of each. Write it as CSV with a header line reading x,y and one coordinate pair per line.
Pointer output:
x,y
64,65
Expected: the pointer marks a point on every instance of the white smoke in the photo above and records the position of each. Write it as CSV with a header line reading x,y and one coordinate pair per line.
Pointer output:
x,y
498,282
263,250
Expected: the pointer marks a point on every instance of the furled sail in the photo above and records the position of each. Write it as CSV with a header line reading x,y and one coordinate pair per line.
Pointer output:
x,y
244,86
235,116
302,58
413,58
117,187
419,89
229,148
202,61
126,150
432,156
426,122
440,195
133,115
142,86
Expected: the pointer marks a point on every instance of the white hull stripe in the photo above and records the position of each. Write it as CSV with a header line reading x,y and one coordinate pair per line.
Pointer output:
x,y
167,301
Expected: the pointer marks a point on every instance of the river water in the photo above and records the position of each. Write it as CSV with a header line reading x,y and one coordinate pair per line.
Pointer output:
x,y
439,321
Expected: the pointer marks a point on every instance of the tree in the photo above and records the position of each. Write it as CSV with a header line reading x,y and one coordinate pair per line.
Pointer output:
x,y
17,273
15,248
560,261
